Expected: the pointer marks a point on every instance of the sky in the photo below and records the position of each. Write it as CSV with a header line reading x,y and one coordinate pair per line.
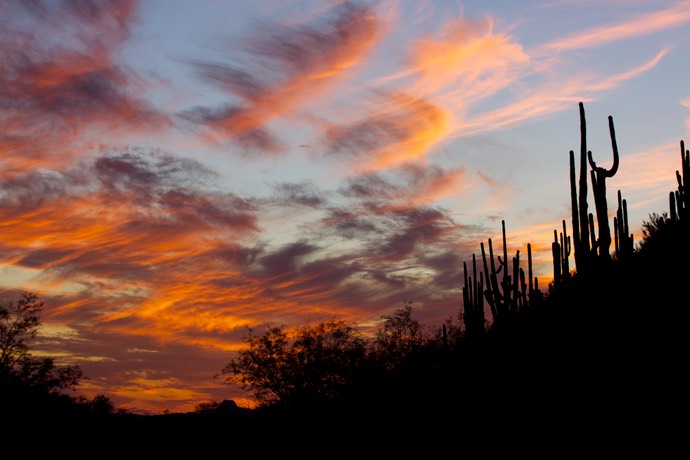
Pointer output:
x,y
176,173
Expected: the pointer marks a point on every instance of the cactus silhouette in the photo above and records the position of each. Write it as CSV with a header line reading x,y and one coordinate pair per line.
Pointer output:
x,y
579,199
497,293
585,242
624,241
599,176
473,301
535,296
560,251
506,296
678,200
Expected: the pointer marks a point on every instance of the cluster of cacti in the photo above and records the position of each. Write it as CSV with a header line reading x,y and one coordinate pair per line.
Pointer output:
x,y
473,301
505,296
510,293
560,251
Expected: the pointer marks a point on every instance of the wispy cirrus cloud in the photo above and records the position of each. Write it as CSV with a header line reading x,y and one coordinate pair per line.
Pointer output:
x,y
675,15
410,183
552,96
503,65
120,219
61,80
443,75
287,68
401,131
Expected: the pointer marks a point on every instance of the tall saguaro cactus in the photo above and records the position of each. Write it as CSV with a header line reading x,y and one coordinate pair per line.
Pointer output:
x,y
599,176
579,199
585,243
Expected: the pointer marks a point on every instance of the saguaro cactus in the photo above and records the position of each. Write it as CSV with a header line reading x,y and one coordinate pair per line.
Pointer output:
x,y
599,176
473,301
497,294
560,252
585,243
534,294
579,199
678,200
509,295
624,240
506,296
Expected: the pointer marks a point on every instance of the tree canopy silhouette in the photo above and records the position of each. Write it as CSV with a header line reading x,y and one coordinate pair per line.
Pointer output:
x,y
35,386
19,324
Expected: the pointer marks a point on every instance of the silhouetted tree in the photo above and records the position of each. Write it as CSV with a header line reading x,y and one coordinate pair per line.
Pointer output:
x,y
19,324
99,406
400,338
205,408
312,366
654,228
32,385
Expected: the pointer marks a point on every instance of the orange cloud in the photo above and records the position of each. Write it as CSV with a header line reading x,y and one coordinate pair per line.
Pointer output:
x,y
400,131
468,60
445,75
303,61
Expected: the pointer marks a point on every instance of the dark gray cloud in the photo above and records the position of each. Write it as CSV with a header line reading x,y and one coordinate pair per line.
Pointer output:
x,y
408,182
298,194
395,127
367,135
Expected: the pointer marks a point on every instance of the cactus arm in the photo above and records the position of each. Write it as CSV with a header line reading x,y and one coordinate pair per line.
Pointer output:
x,y
603,172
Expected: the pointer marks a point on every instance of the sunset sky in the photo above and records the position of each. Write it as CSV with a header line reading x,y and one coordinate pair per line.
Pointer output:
x,y
174,173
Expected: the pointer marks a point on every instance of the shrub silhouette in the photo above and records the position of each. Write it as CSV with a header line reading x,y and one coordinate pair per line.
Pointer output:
x,y
312,366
